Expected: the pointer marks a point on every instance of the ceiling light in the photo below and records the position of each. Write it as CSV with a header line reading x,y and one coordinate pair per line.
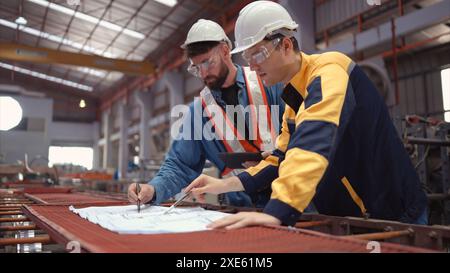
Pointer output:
x,y
46,77
169,3
21,21
55,38
89,18
82,104
93,72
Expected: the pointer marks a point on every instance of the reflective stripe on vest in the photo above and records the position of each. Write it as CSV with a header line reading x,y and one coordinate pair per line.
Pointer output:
x,y
260,110
260,115
220,120
262,118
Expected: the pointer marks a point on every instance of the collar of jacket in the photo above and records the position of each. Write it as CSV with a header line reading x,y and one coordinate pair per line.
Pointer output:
x,y
295,91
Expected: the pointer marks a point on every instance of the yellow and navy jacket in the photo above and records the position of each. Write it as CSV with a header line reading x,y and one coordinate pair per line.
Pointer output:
x,y
338,148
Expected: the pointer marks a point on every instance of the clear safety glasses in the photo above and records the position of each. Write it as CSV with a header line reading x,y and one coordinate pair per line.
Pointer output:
x,y
196,69
262,54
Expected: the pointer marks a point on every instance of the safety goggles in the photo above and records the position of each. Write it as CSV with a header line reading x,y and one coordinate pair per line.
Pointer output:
x,y
262,53
196,69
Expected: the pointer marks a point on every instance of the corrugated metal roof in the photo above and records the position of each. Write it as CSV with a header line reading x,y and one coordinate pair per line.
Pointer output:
x,y
156,23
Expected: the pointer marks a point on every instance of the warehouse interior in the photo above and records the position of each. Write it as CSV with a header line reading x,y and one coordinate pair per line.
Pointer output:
x,y
87,90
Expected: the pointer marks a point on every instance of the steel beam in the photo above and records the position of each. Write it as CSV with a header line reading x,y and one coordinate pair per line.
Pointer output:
x,y
22,53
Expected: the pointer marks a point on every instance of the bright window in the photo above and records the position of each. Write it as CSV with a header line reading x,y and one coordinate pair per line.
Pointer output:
x,y
10,113
81,156
445,77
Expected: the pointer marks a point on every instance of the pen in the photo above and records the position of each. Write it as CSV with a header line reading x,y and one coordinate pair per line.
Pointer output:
x,y
186,194
138,189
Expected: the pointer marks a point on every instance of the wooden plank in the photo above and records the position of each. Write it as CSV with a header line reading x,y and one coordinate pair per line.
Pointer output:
x,y
20,241
13,220
18,228
382,235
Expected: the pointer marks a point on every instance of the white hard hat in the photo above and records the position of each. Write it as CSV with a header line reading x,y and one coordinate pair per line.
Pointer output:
x,y
259,19
206,30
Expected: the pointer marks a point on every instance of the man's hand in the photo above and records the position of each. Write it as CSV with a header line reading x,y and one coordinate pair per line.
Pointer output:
x,y
249,164
244,219
145,195
207,184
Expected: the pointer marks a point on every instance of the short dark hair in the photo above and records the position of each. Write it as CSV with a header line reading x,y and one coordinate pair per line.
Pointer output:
x,y
281,36
200,48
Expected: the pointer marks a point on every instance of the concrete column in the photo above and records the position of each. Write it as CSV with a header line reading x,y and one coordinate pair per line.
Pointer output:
x,y
175,83
146,144
302,12
107,129
96,151
123,140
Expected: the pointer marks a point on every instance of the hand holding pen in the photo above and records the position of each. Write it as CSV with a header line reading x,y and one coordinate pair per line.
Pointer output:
x,y
144,195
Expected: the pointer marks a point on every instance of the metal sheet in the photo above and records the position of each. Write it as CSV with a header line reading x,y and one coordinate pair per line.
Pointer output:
x,y
64,226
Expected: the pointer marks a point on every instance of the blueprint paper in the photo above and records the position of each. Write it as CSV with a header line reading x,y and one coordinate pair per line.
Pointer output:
x,y
151,220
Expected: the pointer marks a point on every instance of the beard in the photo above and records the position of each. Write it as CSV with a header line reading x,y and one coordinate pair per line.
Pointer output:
x,y
216,82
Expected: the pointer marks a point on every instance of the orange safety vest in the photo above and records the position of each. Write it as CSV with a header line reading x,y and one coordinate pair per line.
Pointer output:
x,y
261,121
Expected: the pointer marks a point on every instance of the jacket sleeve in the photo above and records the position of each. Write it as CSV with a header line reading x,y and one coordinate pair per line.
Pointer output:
x,y
320,121
183,163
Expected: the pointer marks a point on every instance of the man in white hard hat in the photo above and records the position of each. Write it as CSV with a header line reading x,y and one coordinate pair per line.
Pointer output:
x,y
227,84
340,149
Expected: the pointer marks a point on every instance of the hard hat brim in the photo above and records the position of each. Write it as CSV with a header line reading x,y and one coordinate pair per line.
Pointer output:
x,y
227,41
241,48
